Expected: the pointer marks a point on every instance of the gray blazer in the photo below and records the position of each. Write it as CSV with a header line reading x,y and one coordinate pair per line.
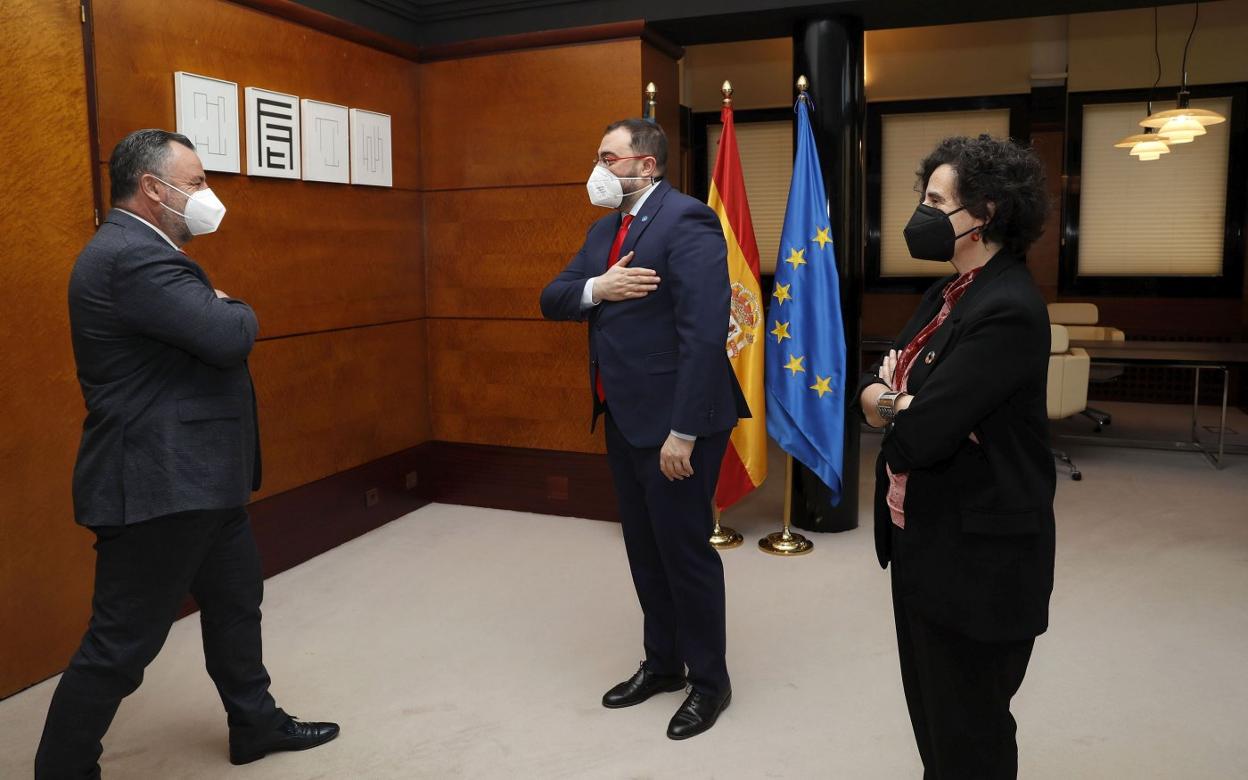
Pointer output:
x,y
171,411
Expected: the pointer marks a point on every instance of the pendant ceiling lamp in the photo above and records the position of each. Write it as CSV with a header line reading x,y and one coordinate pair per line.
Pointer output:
x,y
1150,145
1178,124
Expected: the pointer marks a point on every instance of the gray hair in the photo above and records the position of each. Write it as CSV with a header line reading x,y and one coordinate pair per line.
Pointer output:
x,y
143,151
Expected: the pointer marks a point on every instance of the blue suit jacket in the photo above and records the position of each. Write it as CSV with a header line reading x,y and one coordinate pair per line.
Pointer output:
x,y
171,415
663,358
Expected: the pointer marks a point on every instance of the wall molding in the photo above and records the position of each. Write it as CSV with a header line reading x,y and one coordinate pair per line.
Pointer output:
x,y
317,20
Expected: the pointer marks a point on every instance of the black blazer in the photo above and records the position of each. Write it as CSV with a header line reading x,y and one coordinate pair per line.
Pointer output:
x,y
171,415
979,536
663,358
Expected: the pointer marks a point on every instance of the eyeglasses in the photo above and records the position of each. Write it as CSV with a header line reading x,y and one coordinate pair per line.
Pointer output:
x,y
611,159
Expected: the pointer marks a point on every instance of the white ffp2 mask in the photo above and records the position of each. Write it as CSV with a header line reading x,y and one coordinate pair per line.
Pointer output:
x,y
204,210
605,189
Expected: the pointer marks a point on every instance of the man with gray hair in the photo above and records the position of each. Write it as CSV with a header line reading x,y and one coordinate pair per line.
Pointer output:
x,y
169,456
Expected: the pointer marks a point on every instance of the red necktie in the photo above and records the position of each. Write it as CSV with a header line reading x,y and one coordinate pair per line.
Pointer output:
x,y
612,258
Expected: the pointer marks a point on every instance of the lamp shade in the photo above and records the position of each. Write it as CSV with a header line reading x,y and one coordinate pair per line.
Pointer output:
x,y
1203,116
1181,130
1150,147
1132,140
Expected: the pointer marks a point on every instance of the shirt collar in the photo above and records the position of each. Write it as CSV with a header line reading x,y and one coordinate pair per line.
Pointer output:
x,y
159,232
642,200
956,288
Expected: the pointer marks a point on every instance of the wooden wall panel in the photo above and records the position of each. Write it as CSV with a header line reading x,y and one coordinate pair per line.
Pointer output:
x,y
496,232
525,118
305,268
658,67
46,561
310,256
490,252
140,43
512,383
332,401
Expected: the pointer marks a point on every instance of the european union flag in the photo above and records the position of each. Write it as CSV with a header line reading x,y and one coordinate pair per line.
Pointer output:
x,y
806,347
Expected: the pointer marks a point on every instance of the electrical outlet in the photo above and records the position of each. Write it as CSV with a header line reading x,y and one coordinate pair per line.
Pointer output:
x,y
410,480
371,497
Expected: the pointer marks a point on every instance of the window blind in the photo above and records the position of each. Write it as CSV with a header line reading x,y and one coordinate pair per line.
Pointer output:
x,y
905,139
766,150
1162,217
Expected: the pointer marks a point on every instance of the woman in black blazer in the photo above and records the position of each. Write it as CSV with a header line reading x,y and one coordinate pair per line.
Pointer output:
x,y
965,477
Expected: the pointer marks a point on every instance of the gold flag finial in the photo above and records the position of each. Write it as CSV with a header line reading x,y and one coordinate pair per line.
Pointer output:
x,y
651,103
726,89
802,84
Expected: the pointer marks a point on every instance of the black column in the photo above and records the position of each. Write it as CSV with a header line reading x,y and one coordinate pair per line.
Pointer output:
x,y
829,52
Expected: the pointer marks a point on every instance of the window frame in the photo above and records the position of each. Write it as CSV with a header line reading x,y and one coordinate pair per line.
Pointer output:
x,y
1230,283
1020,130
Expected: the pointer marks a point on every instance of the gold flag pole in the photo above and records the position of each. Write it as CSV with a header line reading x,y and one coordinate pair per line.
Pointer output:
x,y
784,542
722,537
651,103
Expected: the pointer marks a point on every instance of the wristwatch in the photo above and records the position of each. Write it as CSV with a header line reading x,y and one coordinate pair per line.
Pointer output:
x,y
886,406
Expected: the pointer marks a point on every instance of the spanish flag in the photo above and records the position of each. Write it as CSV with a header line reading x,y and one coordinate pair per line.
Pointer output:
x,y
745,462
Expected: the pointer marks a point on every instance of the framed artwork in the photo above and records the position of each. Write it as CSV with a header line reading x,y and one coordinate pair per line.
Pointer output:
x,y
371,163
273,139
326,142
207,113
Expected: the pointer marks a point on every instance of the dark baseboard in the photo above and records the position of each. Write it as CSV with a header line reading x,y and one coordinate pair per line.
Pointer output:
x,y
302,523
570,484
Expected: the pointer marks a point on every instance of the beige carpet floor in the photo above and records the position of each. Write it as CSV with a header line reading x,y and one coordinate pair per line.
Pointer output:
x,y
467,643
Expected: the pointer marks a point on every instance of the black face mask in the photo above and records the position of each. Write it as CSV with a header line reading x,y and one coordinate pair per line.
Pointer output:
x,y
929,234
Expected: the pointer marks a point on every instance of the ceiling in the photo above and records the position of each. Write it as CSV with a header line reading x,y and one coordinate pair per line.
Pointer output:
x,y
431,22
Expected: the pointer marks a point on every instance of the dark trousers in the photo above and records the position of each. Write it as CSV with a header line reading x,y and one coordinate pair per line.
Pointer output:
x,y
958,691
142,574
677,573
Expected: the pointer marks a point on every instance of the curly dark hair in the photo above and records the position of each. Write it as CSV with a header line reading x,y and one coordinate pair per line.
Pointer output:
x,y
1001,172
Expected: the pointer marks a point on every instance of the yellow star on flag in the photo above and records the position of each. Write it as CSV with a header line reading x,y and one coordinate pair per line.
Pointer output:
x,y
782,293
822,385
795,364
822,237
781,331
796,257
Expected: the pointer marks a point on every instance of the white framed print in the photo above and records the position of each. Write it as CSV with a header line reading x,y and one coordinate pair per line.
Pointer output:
x,y
326,143
272,133
207,113
370,149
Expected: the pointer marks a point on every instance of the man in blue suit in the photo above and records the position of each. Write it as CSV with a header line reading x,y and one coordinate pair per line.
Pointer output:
x,y
652,281
170,453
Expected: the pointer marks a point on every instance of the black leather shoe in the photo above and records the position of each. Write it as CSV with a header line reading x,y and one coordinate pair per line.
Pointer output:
x,y
642,686
246,745
697,714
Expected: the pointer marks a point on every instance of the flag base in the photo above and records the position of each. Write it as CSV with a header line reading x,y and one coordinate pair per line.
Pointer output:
x,y
724,538
785,543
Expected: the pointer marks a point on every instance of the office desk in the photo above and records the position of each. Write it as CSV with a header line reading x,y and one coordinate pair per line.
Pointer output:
x,y
1198,356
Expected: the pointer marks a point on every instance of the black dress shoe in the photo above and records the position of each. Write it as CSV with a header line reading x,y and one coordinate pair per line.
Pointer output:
x,y
642,686
697,714
246,745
